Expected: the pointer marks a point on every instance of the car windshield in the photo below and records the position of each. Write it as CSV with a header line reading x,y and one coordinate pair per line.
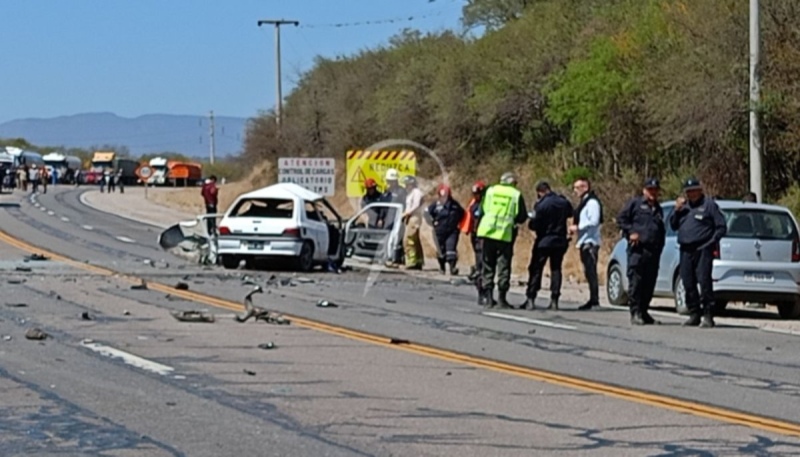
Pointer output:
x,y
762,224
274,208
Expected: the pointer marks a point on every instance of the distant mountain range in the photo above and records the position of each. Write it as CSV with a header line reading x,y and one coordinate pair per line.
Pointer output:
x,y
146,134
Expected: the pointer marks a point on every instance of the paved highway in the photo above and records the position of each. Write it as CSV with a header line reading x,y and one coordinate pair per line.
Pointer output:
x,y
404,366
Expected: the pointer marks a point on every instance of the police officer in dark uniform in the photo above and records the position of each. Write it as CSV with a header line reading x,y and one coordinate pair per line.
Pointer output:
x,y
700,226
642,223
549,221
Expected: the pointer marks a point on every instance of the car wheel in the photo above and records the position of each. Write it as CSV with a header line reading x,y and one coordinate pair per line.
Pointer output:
x,y
789,310
680,297
230,262
305,261
615,290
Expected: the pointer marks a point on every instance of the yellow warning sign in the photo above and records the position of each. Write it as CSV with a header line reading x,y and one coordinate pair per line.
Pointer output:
x,y
363,165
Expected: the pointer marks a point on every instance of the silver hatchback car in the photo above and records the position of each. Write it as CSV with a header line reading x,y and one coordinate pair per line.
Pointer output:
x,y
758,261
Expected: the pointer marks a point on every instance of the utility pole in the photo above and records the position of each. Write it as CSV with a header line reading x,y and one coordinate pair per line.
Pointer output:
x,y
212,144
756,172
278,23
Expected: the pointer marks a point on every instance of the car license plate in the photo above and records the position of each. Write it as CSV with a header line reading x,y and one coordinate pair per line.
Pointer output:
x,y
255,245
751,276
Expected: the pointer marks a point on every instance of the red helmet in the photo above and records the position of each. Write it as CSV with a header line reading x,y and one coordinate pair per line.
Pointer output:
x,y
478,187
443,188
370,183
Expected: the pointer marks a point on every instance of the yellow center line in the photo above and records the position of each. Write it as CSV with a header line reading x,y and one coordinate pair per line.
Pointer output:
x,y
660,401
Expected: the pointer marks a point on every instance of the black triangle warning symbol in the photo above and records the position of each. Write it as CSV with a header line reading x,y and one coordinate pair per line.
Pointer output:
x,y
358,176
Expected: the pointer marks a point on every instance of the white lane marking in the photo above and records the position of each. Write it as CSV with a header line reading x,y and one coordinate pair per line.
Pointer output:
x,y
65,219
526,320
783,331
125,239
87,227
128,358
42,208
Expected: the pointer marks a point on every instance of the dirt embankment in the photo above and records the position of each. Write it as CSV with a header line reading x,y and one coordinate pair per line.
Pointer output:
x,y
189,200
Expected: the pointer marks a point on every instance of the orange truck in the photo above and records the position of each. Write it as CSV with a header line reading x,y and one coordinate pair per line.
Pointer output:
x,y
173,172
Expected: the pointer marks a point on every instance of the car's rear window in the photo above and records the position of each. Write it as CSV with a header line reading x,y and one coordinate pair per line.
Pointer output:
x,y
274,208
762,224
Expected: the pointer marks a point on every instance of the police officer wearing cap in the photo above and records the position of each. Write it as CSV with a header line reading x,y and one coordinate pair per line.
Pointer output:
x,y
501,210
642,223
700,226
549,221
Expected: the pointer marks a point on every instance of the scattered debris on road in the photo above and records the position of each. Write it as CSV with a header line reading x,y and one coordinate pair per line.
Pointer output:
x,y
389,300
36,334
248,281
171,403
15,281
460,282
448,374
24,269
267,345
260,314
399,341
35,258
87,341
85,316
768,348
182,286
249,372
140,286
326,304
17,305
55,295
303,280
193,316
531,331
125,312
7,338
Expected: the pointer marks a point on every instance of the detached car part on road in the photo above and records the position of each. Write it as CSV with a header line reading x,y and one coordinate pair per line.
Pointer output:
x,y
758,261
286,222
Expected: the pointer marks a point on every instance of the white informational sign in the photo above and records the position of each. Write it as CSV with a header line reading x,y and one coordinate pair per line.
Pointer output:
x,y
316,175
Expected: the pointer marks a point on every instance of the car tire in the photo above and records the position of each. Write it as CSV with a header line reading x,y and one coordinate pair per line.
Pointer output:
x,y
789,310
616,293
230,262
305,261
679,294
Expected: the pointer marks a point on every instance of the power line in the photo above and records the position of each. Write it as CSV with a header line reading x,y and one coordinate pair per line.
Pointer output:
x,y
395,20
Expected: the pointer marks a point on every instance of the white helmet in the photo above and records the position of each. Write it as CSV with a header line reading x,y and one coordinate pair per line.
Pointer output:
x,y
392,175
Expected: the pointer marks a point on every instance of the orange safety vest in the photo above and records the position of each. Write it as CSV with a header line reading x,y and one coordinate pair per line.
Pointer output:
x,y
466,222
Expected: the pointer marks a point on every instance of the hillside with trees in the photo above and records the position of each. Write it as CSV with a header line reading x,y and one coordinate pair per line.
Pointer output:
x,y
624,88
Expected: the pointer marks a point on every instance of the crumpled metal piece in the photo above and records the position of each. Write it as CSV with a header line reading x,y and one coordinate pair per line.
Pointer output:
x,y
36,334
193,316
36,258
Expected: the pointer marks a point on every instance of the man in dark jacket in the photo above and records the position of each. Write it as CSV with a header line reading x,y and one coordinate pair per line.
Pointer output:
x,y
469,226
642,223
375,217
700,226
549,221
445,214
209,193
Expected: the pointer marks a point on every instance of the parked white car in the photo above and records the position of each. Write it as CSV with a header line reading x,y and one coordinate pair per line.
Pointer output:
x,y
288,222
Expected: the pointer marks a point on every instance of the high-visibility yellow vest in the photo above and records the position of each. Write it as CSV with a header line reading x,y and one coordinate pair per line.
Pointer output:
x,y
499,207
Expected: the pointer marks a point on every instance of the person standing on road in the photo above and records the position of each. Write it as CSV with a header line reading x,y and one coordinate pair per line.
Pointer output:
x,y
586,224
44,176
501,210
444,215
412,220
22,178
121,184
372,195
394,193
111,180
33,178
700,226
549,222
210,194
642,223
469,226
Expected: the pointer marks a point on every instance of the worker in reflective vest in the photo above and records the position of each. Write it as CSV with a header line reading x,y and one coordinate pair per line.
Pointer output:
x,y
501,210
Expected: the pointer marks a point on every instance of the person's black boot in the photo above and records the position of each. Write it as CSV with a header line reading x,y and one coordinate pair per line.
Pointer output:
x,y
708,320
637,318
694,320
648,319
453,269
502,302
530,303
442,269
553,304
485,298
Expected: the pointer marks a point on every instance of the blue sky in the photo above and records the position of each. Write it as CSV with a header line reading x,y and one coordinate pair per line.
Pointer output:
x,y
134,57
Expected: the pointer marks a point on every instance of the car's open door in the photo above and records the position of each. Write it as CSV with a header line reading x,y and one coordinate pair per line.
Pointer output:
x,y
373,243
335,230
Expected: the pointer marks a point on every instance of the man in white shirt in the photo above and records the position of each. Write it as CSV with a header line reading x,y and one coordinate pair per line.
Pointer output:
x,y
586,225
412,218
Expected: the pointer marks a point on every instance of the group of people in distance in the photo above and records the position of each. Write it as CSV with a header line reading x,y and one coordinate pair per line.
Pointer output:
x,y
495,213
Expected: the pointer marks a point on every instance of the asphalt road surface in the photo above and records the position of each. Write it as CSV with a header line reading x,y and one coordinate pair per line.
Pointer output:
x,y
118,376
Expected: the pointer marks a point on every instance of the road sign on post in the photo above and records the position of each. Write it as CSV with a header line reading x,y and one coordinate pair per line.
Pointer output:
x,y
315,174
144,172
362,165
